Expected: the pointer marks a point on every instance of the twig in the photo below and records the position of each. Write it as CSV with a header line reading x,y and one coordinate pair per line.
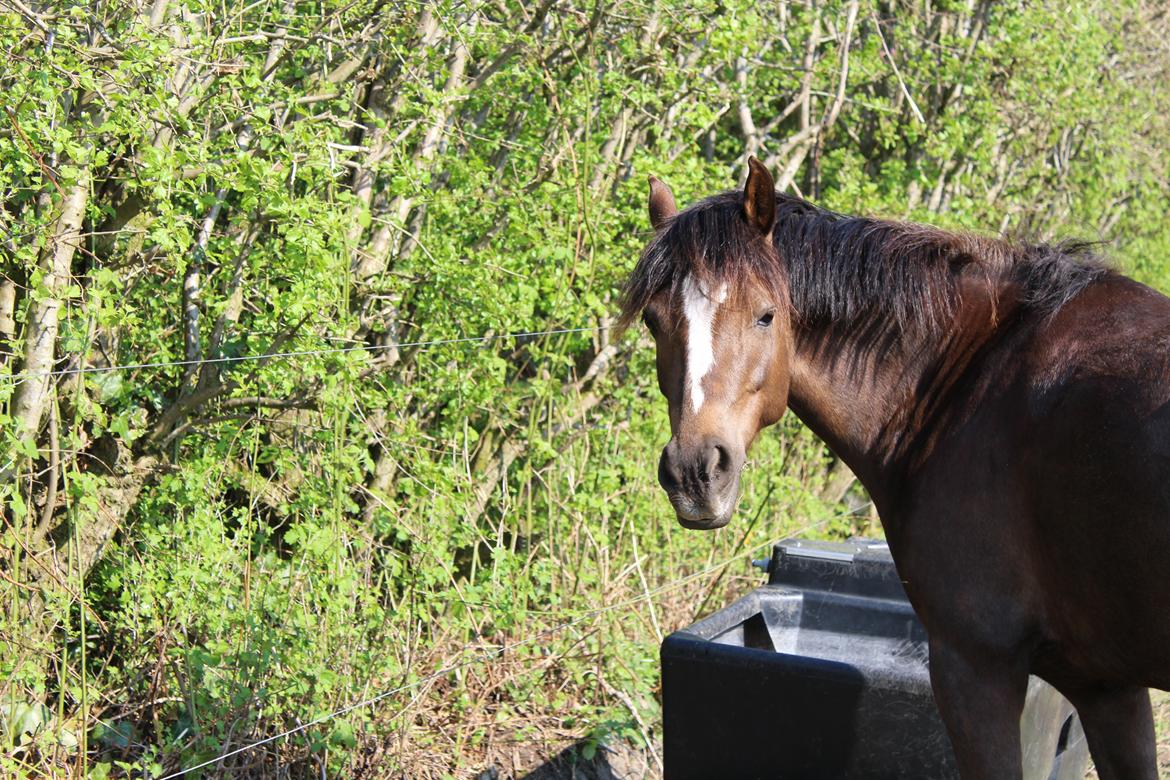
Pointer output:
x,y
29,14
838,99
625,699
646,589
897,73
32,150
22,585
54,475
55,576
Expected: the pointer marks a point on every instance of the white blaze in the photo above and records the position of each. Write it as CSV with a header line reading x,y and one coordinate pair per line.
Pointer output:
x,y
699,308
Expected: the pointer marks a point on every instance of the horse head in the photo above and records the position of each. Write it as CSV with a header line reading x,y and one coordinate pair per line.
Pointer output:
x,y
707,290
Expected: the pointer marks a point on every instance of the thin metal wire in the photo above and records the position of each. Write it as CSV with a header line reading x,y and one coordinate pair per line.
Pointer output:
x,y
21,377
498,651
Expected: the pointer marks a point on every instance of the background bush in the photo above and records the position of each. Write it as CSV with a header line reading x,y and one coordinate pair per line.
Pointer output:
x,y
198,554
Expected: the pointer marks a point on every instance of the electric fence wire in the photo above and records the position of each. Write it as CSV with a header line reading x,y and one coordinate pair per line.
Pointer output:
x,y
496,652
24,376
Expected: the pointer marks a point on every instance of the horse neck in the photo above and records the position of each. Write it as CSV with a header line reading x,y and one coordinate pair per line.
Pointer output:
x,y
875,395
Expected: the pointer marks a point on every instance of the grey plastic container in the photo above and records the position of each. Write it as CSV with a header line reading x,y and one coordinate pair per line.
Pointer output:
x,y
823,673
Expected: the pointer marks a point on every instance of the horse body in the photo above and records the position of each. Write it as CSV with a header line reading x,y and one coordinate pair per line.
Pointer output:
x,y
1059,422
1022,475
1010,418
1053,498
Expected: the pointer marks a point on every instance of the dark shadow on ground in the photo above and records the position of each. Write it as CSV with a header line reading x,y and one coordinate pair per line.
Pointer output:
x,y
620,761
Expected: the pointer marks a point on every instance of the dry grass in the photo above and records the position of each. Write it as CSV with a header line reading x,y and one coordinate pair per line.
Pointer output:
x,y
544,737
519,715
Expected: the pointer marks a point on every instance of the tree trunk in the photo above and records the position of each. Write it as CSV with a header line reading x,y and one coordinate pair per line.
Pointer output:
x,y
32,394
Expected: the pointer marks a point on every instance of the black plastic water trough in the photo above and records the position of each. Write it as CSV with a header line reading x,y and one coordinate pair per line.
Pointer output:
x,y
822,673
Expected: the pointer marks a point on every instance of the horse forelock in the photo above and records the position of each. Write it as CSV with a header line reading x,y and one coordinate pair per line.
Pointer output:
x,y
709,245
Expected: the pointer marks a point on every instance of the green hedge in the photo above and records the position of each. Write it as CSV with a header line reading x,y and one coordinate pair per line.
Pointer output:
x,y
198,556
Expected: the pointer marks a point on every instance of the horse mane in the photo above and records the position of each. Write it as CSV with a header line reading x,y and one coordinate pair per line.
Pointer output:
x,y
833,269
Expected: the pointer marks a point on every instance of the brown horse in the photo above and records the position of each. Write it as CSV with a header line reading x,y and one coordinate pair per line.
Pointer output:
x,y
1005,405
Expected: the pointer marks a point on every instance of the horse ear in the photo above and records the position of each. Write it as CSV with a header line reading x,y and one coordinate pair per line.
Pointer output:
x,y
759,197
662,205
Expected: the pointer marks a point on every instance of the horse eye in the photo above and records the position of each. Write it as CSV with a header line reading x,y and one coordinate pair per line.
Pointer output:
x,y
766,320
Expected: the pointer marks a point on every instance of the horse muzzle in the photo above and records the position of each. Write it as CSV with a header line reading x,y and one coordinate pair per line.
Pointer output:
x,y
701,481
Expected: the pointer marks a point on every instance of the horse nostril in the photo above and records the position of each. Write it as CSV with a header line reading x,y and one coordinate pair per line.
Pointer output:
x,y
669,475
719,461
726,459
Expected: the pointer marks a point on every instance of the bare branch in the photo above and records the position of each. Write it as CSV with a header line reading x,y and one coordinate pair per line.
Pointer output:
x,y
897,73
843,79
191,292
